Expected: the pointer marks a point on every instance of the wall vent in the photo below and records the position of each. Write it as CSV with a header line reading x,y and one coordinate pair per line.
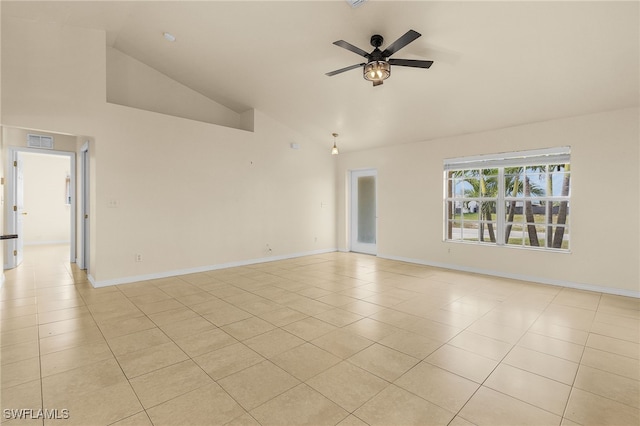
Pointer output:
x,y
40,141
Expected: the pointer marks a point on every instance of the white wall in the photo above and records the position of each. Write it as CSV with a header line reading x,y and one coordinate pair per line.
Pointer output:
x,y
48,217
132,83
186,195
192,195
604,234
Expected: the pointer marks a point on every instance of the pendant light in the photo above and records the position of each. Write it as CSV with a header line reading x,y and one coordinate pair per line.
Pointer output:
x,y
334,150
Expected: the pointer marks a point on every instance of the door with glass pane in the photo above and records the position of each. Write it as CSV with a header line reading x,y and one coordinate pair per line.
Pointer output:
x,y
363,211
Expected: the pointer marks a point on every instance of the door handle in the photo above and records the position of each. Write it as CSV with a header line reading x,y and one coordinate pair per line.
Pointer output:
x,y
23,213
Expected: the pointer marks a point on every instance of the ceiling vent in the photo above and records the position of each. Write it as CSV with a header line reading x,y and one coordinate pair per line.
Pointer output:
x,y
355,3
40,141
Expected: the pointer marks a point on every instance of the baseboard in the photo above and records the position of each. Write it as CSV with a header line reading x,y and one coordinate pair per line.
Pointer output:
x,y
177,272
173,273
558,283
92,281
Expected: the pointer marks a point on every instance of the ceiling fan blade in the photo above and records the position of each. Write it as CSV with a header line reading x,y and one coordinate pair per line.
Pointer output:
x,y
332,73
407,38
377,83
410,63
352,48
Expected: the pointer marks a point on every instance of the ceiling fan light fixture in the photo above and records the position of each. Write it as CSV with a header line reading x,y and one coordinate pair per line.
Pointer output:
x,y
377,71
334,150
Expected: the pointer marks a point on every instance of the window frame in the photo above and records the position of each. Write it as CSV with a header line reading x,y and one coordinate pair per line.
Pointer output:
x,y
548,158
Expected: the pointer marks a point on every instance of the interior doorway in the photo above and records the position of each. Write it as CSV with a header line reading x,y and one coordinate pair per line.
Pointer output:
x,y
364,215
41,201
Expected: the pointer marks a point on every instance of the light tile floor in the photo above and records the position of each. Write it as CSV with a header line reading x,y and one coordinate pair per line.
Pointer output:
x,y
329,339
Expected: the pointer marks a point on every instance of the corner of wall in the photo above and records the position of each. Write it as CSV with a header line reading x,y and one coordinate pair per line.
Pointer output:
x,y
247,120
132,83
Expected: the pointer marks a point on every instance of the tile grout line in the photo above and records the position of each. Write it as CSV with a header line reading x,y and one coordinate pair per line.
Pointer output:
x,y
301,269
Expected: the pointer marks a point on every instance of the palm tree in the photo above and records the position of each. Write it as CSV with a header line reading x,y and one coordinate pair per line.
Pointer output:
x,y
563,210
528,214
484,184
549,206
488,188
513,185
553,239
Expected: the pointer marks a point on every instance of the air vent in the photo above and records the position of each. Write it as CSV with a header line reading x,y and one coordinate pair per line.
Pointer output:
x,y
355,3
39,141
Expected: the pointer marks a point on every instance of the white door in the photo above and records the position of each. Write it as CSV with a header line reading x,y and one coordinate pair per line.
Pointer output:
x,y
85,206
364,211
20,213
15,210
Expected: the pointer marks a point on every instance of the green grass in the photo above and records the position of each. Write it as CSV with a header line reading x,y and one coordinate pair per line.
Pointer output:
x,y
518,242
471,222
472,218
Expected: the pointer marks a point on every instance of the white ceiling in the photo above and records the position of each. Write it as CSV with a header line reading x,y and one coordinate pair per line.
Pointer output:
x,y
497,64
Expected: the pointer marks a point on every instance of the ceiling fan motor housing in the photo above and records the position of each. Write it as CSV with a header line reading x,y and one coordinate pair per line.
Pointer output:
x,y
376,40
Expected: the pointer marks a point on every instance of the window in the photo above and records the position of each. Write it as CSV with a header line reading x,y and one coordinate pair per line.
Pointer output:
x,y
514,199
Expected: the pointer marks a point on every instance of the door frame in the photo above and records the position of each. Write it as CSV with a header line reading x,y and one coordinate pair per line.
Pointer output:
x,y
11,222
354,245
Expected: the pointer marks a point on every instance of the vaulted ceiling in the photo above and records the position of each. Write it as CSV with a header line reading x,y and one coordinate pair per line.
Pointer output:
x,y
497,64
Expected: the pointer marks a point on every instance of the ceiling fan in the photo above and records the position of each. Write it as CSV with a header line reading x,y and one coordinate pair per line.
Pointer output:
x,y
378,65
